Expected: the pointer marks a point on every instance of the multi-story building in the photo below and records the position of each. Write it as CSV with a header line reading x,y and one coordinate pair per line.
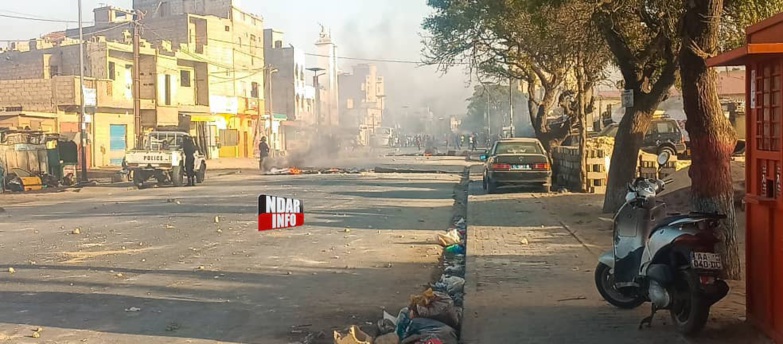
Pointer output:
x,y
229,41
39,79
362,100
288,95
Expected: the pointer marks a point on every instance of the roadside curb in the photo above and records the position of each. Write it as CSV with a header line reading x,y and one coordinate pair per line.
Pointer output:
x,y
440,316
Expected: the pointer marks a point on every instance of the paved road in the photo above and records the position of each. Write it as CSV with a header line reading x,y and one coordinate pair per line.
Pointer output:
x,y
529,280
154,265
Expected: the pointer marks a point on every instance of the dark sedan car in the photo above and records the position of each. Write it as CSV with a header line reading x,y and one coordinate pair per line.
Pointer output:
x,y
516,162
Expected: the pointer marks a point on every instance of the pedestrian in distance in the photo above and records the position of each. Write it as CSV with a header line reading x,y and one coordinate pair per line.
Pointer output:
x,y
189,148
263,149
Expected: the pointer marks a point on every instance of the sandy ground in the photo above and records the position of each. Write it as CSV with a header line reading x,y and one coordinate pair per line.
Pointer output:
x,y
521,242
154,265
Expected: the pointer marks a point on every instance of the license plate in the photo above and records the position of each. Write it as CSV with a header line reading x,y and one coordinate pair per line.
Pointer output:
x,y
521,167
706,261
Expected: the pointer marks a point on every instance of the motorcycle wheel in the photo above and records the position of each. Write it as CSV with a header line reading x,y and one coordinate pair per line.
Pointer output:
x,y
604,282
690,310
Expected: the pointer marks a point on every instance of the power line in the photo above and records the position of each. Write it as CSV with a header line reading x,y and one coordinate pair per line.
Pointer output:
x,y
48,20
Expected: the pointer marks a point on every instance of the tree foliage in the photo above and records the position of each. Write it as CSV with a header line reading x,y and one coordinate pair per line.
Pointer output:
x,y
513,39
494,99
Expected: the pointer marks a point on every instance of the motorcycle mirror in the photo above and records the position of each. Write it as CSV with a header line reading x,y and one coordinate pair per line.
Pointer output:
x,y
663,158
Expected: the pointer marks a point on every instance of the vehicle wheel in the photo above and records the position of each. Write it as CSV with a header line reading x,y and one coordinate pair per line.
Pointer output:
x,y
138,178
667,149
201,175
492,187
690,310
177,176
604,282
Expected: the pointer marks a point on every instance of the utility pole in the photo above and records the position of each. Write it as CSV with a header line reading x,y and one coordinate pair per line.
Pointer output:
x,y
82,118
137,16
268,78
511,105
317,86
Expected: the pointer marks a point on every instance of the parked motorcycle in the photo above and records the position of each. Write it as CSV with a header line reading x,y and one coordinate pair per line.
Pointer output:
x,y
668,260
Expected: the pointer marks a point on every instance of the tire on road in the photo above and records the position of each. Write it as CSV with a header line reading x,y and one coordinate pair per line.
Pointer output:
x,y
604,282
138,178
177,176
492,187
201,174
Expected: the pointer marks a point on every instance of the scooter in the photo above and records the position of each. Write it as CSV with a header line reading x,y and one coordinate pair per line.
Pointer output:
x,y
666,259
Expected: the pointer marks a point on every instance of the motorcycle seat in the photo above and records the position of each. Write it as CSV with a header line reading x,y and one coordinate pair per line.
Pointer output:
x,y
695,215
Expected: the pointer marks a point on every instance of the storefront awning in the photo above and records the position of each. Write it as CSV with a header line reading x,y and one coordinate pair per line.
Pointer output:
x,y
277,117
739,56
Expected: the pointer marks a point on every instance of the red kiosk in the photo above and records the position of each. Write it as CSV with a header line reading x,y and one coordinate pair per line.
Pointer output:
x,y
763,61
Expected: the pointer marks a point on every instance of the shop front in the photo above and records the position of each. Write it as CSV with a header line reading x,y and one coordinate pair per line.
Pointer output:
x,y
763,61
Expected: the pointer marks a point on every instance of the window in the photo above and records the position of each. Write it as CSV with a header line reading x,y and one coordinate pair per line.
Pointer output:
x,y
167,94
665,127
112,71
184,78
518,148
228,28
54,71
254,90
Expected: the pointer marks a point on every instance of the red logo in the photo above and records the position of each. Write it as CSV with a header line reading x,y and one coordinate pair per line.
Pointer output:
x,y
279,213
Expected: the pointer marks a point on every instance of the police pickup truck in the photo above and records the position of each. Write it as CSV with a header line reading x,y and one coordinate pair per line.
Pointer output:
x,y
162,158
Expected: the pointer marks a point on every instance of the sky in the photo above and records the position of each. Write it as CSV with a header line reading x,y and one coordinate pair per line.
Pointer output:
x,y
362,29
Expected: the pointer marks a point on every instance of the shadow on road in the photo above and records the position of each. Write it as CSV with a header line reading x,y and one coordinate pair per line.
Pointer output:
x,y
196,305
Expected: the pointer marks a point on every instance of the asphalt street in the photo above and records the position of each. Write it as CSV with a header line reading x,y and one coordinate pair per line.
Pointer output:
x,y
112,264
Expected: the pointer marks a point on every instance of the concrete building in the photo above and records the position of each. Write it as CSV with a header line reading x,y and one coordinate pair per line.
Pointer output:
x,y
362,100
330,96
40,88
229,41
288,95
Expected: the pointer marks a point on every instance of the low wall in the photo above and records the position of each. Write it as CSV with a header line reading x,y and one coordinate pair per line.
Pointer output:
x,y
567,167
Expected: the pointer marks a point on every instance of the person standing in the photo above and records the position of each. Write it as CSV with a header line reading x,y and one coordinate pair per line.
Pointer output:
x,y
189,148
263,149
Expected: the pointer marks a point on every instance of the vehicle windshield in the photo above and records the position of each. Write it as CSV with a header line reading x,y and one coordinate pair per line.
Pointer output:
x,y
664,127
165,141
518,148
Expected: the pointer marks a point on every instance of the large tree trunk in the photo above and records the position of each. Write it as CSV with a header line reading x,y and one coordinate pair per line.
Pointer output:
x,y
712,136
625,154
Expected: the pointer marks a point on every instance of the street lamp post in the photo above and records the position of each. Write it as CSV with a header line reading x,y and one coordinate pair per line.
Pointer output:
x,y
317,87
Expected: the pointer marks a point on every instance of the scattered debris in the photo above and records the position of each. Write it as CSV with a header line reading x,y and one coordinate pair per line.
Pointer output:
x,y
573,299
450,238
524,241
76,231
217,219
133,309
352,335
167,226
171,327
11,270
36,335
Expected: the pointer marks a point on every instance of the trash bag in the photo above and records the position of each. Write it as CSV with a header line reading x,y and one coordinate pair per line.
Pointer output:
x,y
421,330
352,335
403,320
455,249
454,270
449,238
389,338
452,284
435,305
388,324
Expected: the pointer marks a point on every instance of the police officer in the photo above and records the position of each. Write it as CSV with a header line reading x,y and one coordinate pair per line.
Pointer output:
x,y
189,147
263,149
